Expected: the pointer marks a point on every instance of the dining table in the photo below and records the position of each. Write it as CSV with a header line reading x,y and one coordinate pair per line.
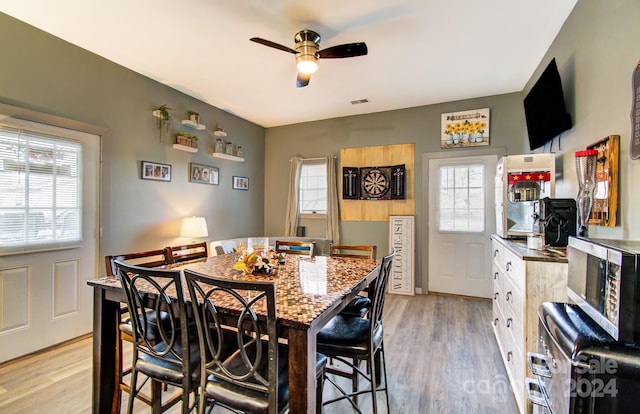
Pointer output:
x,y
310,290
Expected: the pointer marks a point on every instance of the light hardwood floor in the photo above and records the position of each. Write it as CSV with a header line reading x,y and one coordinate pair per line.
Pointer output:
x,y
442,357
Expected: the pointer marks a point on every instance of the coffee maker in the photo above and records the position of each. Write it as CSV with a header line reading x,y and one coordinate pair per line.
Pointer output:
x,y
520,181
556,219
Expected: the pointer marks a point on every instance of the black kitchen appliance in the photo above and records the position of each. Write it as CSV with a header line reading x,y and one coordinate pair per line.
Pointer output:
x,y
604,281
579,367
588,358
557,218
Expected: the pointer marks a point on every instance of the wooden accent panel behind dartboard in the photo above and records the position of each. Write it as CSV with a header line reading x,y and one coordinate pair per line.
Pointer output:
x,y
377,182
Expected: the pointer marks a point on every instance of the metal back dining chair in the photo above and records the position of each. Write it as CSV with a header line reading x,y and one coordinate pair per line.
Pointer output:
x,y
161,351
186,252
351,250
149,258
295,247
360,305
349,340
255,378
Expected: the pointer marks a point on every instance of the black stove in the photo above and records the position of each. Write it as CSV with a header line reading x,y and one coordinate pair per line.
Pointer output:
x,y
579,367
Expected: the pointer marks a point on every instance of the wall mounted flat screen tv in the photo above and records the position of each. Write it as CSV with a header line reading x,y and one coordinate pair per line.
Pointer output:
x,y
544,108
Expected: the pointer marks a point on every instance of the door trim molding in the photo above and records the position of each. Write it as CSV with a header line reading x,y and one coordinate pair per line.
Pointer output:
x,y
424,209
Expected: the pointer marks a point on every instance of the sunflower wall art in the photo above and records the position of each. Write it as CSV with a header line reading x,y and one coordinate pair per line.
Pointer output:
x,y
465,129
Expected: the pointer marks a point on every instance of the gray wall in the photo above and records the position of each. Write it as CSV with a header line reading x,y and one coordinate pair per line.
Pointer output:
x,y
596,51
420,125
44,74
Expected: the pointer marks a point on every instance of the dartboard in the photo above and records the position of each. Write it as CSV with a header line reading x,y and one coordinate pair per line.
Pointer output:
x,y
375,183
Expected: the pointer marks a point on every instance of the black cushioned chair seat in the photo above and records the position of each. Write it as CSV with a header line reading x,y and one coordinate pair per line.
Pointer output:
x,y
170,370
152,332
359,306
254,401
347,335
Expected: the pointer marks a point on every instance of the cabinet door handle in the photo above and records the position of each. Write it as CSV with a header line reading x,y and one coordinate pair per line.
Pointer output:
x,y
509,356
495,322
495,276
508,266
495,252
508,297
509,322
495,295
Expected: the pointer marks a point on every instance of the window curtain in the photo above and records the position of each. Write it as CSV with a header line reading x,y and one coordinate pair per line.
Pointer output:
x,y
333,218
291,222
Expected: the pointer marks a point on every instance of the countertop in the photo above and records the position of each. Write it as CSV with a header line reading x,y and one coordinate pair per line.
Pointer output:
x,y
519,248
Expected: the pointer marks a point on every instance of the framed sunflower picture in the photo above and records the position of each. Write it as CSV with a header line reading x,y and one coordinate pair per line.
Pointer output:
x,y
465,129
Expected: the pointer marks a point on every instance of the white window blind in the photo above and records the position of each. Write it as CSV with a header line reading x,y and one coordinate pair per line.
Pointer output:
x,y
461,198
313,187
41,187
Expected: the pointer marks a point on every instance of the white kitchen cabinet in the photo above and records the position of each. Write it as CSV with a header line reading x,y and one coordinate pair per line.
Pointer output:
x,y
522,280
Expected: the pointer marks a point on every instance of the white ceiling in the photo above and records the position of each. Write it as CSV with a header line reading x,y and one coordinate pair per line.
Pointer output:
x,y
421,52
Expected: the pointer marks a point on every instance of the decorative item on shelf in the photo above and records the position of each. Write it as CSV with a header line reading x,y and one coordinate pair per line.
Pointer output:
x,y
239,151
219,148
219,131
163,119
186,139
194,117
229,148
194,121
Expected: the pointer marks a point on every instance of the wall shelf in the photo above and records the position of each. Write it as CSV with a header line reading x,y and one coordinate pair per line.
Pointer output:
x,y
227,157
193,125
185,148
218,133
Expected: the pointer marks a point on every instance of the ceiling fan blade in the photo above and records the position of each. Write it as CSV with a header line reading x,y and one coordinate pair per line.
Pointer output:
x,y
302,80
274,45
344,51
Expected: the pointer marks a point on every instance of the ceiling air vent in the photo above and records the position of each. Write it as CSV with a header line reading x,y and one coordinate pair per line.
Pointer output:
x,y
359,101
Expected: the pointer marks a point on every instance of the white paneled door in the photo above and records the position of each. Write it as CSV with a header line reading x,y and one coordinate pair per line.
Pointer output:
x,y
47,251
461,220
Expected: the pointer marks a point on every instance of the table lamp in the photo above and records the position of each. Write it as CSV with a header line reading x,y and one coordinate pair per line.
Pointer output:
x,y
193,227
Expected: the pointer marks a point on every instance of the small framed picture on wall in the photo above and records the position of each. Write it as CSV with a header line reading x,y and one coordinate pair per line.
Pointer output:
x,y
155,171
240,183
203,174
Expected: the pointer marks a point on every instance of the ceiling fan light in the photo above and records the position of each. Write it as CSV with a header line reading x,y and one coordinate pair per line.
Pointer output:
x,y
308,65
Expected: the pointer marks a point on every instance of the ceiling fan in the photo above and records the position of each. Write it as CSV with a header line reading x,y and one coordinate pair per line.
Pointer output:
x,y
307,51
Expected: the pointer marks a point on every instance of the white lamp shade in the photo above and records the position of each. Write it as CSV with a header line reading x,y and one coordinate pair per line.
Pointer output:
x,y
194,227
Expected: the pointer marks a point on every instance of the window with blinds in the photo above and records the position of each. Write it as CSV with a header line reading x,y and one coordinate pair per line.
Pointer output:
x,y
313,188
41,187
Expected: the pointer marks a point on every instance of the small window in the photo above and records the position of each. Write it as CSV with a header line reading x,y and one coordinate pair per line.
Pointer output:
x,y
461,199
313,188
40,183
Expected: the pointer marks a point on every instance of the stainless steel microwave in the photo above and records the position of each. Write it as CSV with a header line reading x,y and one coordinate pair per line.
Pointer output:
x,y
604,281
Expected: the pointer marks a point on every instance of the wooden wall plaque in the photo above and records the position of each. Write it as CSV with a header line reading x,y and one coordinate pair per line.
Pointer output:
x,y
402,239
352,207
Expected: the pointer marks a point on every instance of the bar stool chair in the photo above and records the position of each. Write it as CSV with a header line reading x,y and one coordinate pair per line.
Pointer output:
x,y
150,258
254,378
186,252
295,247
359,306
168,356
350,339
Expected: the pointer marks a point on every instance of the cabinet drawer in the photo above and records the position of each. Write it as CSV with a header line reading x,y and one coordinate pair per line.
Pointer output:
x,y
514,269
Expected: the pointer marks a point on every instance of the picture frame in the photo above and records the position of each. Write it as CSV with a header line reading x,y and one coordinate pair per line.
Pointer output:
x,y
203,174
465,129
155,171
240,183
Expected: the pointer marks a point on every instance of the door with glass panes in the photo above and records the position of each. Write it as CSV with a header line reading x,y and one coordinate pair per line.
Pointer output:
x,y
49,186
461,220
